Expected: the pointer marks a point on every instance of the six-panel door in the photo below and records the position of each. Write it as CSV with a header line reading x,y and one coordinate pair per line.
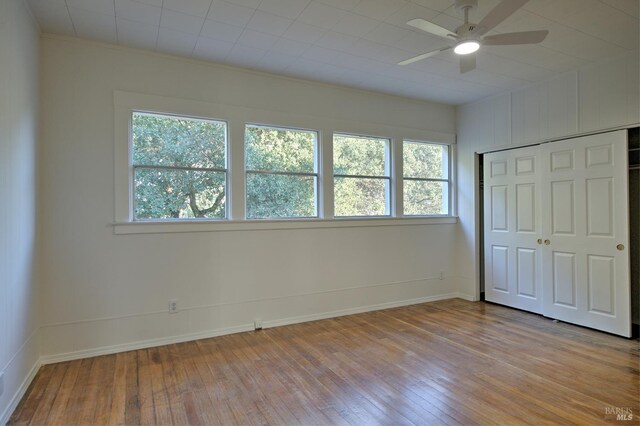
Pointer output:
x,y
512,227
585,218
556,230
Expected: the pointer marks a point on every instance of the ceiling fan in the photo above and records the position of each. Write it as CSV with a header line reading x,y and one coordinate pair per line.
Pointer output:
x,y
468,37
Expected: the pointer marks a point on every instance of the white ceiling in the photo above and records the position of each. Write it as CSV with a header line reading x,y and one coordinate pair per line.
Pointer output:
x,y
355,42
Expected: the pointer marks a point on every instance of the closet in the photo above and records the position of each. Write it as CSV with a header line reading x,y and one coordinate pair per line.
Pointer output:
x,y
556,230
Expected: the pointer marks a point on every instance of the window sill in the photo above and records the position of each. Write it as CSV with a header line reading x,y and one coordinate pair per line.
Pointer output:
x,y
124,228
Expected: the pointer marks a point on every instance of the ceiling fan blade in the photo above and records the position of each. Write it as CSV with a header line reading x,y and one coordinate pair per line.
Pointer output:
x,y
467,63
499,13
432,28
423,56
524,37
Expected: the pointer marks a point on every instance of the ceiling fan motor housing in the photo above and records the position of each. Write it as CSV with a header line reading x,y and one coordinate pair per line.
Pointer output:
x,y
465,30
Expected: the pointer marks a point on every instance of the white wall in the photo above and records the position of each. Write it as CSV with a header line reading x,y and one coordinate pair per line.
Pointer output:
x,y
103,291
19,348
597,97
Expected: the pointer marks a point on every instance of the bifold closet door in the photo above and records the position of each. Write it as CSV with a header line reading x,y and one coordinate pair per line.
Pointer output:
x,y
586,232
512,227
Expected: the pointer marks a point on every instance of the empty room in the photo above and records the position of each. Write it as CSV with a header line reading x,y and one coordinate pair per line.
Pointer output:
x,y
295,212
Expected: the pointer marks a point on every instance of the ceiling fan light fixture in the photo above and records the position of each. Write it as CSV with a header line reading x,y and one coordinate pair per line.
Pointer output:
x,y
466,47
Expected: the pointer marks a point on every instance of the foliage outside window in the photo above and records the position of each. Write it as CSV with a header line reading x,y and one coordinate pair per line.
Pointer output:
x,y
281,172
179,167
361,175
426,178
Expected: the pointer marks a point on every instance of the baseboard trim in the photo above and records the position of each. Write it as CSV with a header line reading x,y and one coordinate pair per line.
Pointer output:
x,y
144,344
17,397
107,350
358,310
466,297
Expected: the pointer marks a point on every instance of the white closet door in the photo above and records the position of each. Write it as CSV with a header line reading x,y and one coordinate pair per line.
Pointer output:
x,y
512,226
585,221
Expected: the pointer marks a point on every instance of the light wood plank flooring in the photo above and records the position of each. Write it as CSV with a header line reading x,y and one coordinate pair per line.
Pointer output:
x,y
449,362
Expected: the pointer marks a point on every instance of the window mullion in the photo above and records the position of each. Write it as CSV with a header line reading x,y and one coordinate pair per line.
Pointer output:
x,y
326,208
397,172
236,171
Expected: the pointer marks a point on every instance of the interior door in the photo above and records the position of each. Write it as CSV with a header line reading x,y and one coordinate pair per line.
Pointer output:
x,y
585,220
512,228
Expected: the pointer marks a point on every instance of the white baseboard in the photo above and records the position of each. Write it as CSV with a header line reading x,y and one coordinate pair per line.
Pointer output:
x,y
14,370
467,297
358,310
143,344
17,397
106,350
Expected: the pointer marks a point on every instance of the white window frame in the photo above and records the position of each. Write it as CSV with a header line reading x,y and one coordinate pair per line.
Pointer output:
x,y
316,173
449,164
237,117
388,170
134,167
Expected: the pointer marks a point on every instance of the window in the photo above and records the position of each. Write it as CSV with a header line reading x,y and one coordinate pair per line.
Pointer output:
x,y
426,178
176,170
282,172
361,175
179,167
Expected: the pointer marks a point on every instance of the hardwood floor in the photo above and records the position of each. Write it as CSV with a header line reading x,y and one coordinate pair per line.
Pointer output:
x,y
448,362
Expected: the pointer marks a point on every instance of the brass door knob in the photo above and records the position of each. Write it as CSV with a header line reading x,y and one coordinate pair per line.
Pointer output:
x,y
620,247
547,242
539,240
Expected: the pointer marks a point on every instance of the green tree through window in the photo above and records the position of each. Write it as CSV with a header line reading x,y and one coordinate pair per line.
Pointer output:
x,y
426,178
361,175
179,167
281,172
180,172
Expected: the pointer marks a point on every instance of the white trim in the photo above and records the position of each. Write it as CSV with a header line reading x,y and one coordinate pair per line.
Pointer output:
x,y
453,180
107,350
17,397
22,389
235,116
466,297
143,344
557,138
158,227
358,310
20,349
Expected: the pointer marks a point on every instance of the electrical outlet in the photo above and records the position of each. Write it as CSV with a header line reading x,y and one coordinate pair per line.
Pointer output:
x,y
1,383
257,324
173,306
